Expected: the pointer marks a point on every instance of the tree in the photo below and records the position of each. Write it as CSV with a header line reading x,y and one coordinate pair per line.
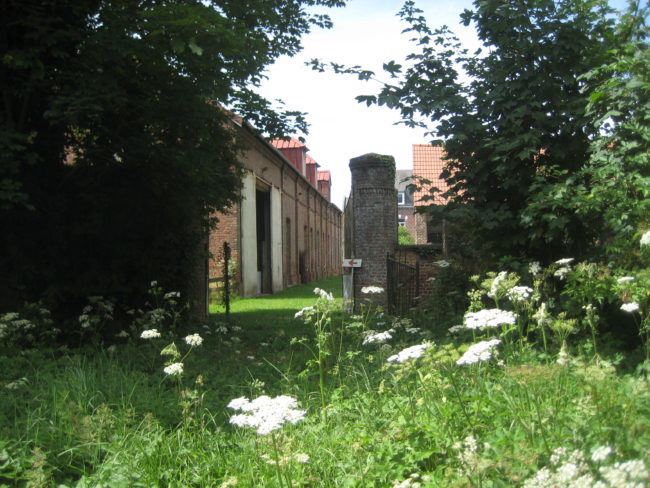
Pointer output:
x,y
112,158
611,192
513,115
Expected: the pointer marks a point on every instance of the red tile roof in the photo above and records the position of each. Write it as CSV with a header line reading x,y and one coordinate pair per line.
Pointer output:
x,y
324,175
428,163
310,160
290,144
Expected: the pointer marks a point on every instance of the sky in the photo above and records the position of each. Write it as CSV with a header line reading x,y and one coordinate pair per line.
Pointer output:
x,y
365,33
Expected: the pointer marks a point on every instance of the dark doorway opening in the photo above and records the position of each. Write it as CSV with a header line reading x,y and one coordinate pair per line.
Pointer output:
x,y
263,211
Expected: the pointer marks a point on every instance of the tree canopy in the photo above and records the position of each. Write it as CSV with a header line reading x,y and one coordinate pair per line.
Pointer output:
x,y
114,151
522,118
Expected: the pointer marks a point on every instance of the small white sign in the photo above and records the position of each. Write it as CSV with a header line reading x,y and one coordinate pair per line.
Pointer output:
x,y
352,263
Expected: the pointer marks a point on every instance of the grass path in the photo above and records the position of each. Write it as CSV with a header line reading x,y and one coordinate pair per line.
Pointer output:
x,y
262,316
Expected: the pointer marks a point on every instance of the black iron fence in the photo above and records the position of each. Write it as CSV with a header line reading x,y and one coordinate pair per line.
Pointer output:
x,y
403,284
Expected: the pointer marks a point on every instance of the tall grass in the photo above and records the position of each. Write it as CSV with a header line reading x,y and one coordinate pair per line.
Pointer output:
x,y
100,417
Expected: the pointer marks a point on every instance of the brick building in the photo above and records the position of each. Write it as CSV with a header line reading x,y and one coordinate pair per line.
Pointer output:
x,y
428,163
284,231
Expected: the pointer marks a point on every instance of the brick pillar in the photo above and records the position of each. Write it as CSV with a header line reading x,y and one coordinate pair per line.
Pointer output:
x,y
374,214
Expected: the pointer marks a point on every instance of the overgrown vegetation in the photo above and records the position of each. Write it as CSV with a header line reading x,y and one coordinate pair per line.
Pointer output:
x,y
512,373
114,149
528,393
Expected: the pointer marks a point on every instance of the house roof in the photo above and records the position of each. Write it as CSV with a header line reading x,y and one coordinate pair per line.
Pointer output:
x,y
292,143
324,175
428,163
310,160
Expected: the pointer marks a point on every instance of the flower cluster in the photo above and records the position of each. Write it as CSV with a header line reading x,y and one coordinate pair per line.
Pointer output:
x,y
630,307
194,340
489,318
302,312
572,469
174,369
481,351
150,334
374,336
413,352
413,481
323,294
371,290
442,263
535,268
519,293
494,288
264,413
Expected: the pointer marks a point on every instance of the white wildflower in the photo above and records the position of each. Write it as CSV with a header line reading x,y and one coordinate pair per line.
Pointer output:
x,y
456,329
564,261
542,316
413,352
442,263
14,385
265,414
481,351
645,239
624,279
561,272
372,336
302,312
123,334
494,288
412,330
174,369
150,334
172,294
630,307
323,294
370,290
563,356
301,458
535,268
489,318
232,481
519,293
601,453
194,340
626,474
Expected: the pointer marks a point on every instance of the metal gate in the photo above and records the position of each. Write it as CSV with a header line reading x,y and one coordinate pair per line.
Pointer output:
x,y
403,285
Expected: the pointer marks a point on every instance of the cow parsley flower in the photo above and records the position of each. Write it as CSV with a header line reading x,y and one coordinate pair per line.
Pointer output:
x,y
174,369
323,294
370,290
630,307
442,263
564,261
265,414
413,352
373,336
494,288
645,239
302,312
561,272
624,279
194,340
601,453
519,293
150,334
481,351
535,268
489,318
